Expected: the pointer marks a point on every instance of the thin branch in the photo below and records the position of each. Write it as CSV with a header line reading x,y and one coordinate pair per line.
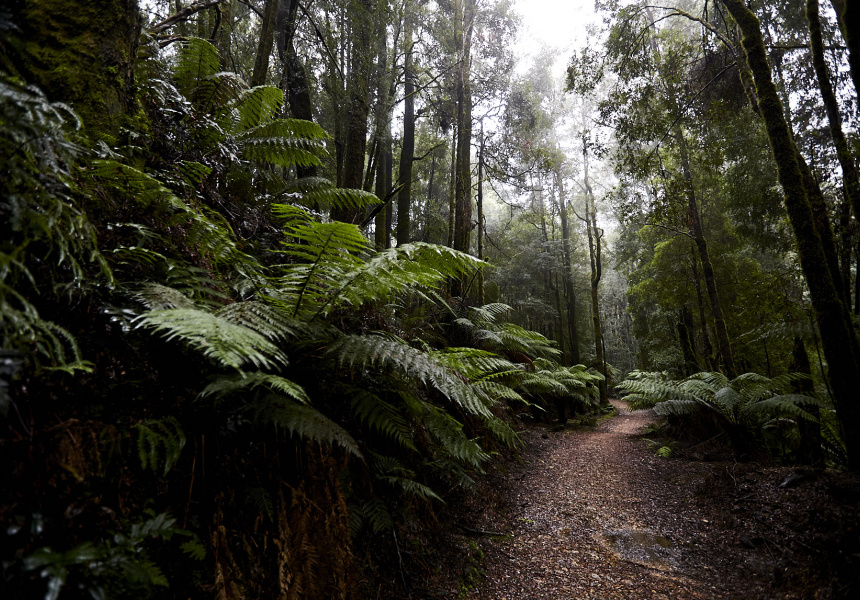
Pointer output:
x,y
322,41
181,15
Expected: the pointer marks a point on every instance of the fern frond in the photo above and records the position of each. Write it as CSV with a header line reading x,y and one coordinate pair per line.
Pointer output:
x,y
361,352
159,444
196,61
268,321
257,106
321,194
382,416
280,150
787,404
262,501
373,512
488,314
227,385
227,343
307,422
677,407
155,296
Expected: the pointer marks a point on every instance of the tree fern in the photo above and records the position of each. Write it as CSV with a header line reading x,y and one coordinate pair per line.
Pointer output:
x,y
321,194
750,402
381,416
360,352
303,421
228,385
228,344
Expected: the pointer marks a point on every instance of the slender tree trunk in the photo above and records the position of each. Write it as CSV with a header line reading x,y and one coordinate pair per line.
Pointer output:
x,y
594,237
265,44
358,104
452,187
848,16
707,348
696,232
480,207
838,337
224,36
810,432
850,176
463,200
691,365
407,151
572,332
425,227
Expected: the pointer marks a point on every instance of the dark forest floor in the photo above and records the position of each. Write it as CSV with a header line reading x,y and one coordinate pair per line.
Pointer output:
x,y
594,513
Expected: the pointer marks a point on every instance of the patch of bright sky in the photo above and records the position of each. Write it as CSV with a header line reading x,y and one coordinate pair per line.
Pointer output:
x,y
560,24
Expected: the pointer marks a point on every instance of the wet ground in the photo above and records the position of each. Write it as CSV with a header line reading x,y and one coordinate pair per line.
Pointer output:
x,y
595,514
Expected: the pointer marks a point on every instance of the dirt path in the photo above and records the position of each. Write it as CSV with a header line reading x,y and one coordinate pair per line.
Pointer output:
x,y
595,514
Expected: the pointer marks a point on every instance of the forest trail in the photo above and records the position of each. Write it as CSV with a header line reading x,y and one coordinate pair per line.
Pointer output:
x,y
596,514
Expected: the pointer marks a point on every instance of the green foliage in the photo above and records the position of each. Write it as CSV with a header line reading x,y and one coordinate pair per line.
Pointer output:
x,y
159,444
120,564
44,236
749,406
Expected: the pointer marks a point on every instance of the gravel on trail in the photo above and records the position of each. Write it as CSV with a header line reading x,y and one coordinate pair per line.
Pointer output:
x,y
594,513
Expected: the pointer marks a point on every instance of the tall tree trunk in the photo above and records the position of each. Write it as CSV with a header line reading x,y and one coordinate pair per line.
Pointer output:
x,y
224,36
425,227
463,199
361,22
810,432
452,187
838,337
82,55
480,207
850,176
707,348
685,332
848,16
265,44
696,232
594,237
407,151
572,332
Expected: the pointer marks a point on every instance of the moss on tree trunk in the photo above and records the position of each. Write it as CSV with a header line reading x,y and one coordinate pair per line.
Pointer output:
x,y
838,337
83,54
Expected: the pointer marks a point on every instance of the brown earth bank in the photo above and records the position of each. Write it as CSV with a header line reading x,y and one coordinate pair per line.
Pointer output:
x,y
595,513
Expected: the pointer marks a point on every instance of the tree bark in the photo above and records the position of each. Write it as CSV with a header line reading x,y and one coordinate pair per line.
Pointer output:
x,y
691,365
358,104
572,332
463,199
850,177
407,150
265,44
838,337
848,16
696,232
83,55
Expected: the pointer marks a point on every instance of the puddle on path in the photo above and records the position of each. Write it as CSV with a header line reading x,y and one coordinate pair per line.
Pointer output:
x,y
640,546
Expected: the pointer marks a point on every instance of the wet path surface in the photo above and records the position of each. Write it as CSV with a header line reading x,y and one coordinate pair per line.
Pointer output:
x,y
595,514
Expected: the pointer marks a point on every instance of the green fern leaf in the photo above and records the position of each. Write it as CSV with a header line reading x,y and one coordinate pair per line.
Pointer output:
x,y
306,421
228,385
227,343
